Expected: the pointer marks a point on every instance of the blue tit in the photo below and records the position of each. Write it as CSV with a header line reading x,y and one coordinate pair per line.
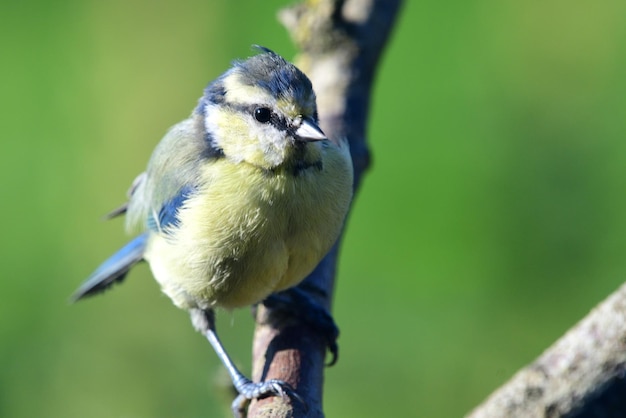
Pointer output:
x,y
240,200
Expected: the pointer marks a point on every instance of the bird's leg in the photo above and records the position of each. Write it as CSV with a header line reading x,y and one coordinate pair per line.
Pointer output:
x,y
297,302
204,322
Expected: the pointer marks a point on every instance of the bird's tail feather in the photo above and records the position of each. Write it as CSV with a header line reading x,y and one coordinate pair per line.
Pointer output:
x,y
114,269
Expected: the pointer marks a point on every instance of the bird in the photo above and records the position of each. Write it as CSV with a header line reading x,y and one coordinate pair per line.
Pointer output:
x,y
239,201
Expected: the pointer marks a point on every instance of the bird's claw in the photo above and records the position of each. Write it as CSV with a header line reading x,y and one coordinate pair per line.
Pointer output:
x,y
249,390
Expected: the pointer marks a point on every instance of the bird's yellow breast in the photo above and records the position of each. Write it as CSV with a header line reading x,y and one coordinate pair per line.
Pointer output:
x,y
249,232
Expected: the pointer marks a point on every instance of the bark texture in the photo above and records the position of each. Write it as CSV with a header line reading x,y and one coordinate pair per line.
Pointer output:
x,y
582,375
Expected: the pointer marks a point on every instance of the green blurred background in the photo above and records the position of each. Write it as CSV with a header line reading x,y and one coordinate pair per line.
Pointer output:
x,y
492,220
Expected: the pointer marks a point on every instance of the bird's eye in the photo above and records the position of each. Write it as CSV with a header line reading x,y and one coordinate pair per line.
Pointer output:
x,y
262,114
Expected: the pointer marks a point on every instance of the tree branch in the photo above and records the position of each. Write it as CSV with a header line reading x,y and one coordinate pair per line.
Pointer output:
x,y
581,375
340,43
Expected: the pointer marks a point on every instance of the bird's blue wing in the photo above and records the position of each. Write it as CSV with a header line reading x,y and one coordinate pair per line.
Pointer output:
x,y
114,269
174,173
167,217
156,196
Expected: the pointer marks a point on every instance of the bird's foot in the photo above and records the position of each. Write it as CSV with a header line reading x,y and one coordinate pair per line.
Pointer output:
x,y
296,302
249,390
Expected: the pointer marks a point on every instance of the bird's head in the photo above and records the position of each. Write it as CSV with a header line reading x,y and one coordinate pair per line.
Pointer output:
x,y
262,111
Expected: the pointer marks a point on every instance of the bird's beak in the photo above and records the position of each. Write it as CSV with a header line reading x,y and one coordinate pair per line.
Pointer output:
x,y
309,131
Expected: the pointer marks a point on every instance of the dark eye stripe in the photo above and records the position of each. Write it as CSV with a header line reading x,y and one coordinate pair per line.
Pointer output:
x,y
276,120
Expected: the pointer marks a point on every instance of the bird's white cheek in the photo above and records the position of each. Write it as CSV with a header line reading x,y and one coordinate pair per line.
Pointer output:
x,y
272,143
244,139
229,131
